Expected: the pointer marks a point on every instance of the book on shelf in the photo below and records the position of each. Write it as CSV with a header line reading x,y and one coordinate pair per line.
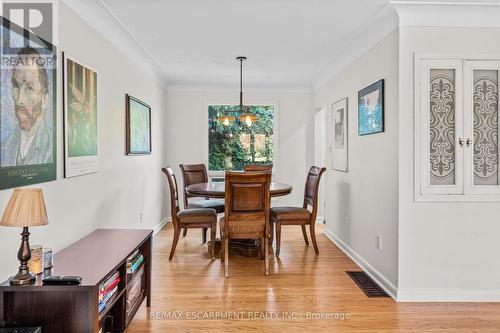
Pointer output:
x,y
109,283
135,265
101,307
133,256
131,263
106,298
103,292
107,289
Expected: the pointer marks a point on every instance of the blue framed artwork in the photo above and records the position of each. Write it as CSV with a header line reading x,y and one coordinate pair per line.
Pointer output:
x,y
371,109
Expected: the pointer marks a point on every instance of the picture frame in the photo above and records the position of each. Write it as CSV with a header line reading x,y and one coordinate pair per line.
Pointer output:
x,y
371,109
80,117
35,160
340,134
138,126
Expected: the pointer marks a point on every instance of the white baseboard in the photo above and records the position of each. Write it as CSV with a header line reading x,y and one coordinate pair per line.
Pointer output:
x,y
160,226
448,295
320,220
363,264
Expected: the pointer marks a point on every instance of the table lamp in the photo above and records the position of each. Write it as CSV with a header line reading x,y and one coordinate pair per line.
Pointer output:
x,y
26,208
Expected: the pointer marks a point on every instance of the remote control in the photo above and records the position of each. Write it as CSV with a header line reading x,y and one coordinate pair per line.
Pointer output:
x,y
62,280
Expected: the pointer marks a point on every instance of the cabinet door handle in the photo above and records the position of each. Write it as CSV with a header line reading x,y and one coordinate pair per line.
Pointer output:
x,y
468,142
461,142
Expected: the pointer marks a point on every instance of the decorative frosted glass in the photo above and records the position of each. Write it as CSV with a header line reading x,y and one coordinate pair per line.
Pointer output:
x,y
442,126
485,142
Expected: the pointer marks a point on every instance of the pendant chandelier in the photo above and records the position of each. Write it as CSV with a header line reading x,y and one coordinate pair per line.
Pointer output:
x,y
243,113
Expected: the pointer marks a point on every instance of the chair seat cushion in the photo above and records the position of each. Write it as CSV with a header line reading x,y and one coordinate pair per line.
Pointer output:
x,y
244,227
197,215
290,213
217,204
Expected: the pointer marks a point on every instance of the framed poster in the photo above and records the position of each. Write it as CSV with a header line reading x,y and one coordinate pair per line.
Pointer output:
x,y
80,118
340,135
371,109
138,127
27,108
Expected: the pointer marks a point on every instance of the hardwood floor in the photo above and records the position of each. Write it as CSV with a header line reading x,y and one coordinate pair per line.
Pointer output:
x,y
300,283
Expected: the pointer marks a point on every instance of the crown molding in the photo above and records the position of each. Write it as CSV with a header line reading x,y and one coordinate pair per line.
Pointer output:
x,y
382,24
104,22
448,13
249,88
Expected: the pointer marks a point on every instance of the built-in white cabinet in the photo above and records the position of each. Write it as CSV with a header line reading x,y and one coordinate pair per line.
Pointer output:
x,y
456,132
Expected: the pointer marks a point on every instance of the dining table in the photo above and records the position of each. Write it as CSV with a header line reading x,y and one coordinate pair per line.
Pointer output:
x,y
217,189
247,248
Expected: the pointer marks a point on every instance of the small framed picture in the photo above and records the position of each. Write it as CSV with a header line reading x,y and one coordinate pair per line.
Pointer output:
x,y
138,127
339,131
371,109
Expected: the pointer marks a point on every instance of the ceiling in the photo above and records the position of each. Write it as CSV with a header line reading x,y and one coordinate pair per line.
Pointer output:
x,y
194,43
287,42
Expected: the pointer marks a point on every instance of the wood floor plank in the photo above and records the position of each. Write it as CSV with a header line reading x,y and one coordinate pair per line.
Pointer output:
x,y
300,283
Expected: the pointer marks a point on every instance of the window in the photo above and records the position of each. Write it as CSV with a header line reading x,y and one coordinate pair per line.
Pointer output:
x,y
457,129
234,144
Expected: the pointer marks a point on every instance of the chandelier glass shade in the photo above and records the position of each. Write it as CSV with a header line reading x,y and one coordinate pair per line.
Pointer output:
x,y
248,118
226,118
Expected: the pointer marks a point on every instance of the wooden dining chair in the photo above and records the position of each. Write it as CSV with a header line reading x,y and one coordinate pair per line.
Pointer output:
x,y
195,174
246,212
205,218
258,167
300,215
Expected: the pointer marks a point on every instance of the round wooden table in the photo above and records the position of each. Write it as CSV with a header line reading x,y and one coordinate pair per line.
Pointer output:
x,y
217,189
247,248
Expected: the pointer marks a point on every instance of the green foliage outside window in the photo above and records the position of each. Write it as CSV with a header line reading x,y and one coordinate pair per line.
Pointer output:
x,y
236,145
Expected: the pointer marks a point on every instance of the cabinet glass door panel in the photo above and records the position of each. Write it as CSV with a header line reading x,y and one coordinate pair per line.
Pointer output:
x,y
485,132
442,133
481,112
441,126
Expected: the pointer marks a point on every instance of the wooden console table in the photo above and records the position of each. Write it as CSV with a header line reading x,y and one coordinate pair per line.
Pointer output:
x,y
74,309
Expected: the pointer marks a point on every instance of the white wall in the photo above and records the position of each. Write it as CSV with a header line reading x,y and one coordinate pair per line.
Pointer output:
x,y
187,122
448,250
366,195
124,186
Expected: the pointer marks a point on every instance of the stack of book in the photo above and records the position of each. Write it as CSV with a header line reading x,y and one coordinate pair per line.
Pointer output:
x,y
134,262
107,290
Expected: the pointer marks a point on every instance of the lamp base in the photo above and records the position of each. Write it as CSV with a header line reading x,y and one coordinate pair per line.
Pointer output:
x,y
23,276
22,279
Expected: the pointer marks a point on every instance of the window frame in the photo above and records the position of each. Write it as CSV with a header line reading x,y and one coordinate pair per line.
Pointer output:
x,y
249,102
